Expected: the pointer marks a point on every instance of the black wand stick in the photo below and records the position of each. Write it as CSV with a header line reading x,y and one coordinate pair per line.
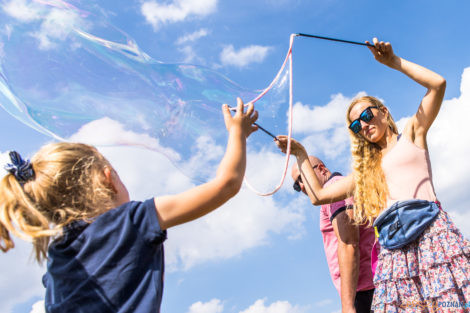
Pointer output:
x,y
256,124
267,132
336,39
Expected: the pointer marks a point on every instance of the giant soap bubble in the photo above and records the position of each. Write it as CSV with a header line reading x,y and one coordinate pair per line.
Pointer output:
x,y
67,72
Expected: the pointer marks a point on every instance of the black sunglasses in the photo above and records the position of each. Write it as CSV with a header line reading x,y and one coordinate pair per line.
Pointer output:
x,y
297,182
366,116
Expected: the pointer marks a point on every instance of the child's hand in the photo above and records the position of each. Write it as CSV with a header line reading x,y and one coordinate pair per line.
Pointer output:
x,y
383,52
296,147
241,120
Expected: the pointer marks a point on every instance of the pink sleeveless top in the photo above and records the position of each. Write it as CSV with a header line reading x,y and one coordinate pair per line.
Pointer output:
x,y
407,170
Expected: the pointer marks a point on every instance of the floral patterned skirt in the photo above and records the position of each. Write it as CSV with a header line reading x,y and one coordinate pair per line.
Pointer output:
x,y
431,274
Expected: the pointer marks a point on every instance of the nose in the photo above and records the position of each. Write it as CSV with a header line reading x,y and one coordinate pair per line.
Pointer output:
x,y
363,124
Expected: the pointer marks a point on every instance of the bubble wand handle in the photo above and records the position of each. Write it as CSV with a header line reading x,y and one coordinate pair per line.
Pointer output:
x,y
335,39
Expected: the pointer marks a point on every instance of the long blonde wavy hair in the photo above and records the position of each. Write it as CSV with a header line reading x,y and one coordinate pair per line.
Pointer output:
x,y
69,185
371,191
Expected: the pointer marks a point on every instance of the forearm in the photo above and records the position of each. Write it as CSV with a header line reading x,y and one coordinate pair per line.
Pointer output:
x,y
348,259
232,167
418,73
309,178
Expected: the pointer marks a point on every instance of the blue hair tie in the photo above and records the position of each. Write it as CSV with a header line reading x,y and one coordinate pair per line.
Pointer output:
x,y
21,169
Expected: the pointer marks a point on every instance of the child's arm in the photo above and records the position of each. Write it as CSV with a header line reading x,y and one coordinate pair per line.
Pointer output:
x,y
184,207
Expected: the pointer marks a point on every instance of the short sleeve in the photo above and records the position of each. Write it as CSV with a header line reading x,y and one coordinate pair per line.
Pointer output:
x,y
336,208
144,217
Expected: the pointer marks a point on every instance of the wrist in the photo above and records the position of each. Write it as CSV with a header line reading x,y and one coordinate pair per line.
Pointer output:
x,y
395,62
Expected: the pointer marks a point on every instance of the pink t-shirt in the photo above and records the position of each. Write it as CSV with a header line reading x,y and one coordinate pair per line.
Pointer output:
x,y
330,242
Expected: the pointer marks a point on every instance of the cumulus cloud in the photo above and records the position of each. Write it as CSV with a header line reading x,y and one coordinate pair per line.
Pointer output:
x,y
324,302
192,36
308,119
275,307
113,133
213,306
21,277
462,220
324,128
56,26
216,306
244,56
449,148
250,218
4,160
38,307
158,14
56,23
23,10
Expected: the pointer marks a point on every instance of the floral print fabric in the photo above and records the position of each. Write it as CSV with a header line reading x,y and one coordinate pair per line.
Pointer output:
x,y
431,274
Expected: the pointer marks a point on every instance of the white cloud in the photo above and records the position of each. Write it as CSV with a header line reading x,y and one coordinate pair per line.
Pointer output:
x,y
23,10
251,220
244,56
205,156
324,302
264,169
213,306
113,133
192,36
158,14
320,118
4,160
216,306
147,174
38,307
21,276
189,54
325,126
462,221
276,307
449,148
56,26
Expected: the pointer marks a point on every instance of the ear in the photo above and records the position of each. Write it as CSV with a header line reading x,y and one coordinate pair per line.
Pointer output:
x,y
108,178
384,110
321,166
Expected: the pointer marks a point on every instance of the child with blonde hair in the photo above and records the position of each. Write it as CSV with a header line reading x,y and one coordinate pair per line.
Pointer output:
x,y
104,252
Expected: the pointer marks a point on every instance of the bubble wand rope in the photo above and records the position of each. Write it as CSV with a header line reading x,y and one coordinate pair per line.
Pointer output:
x,y
289,57
286,166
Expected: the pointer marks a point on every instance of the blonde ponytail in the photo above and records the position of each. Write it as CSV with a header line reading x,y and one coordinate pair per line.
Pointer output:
x,y
68,185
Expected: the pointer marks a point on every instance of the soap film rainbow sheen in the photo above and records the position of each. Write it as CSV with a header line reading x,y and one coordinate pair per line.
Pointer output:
x,y
66,71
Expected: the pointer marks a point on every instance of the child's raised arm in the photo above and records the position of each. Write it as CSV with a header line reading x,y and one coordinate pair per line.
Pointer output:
x,y
189,205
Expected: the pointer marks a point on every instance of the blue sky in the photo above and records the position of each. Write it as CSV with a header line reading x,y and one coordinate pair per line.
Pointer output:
x,y
265,254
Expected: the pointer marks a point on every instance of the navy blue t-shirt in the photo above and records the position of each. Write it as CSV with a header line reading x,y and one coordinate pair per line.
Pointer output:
x,y
114,264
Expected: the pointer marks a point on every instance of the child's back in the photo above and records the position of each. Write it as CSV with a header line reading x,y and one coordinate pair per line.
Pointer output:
x,y
114,264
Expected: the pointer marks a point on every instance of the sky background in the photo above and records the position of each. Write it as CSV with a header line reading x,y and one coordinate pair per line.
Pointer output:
x,y
265,254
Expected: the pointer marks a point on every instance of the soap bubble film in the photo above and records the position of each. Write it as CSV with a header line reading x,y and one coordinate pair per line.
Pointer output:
x,y
66,71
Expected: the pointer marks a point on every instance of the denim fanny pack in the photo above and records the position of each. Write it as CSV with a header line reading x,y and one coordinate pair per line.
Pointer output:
x,y
404,221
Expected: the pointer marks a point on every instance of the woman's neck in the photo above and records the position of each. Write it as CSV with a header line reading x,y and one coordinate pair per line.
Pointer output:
x,y
388,140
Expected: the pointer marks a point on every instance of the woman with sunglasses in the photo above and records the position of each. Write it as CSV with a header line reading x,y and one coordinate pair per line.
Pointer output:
x,y
433,270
